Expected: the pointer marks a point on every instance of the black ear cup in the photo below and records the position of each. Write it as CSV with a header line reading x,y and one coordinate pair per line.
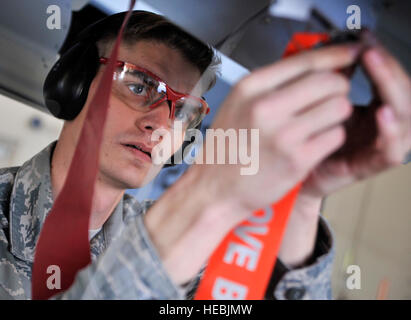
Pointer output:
x,y
66,87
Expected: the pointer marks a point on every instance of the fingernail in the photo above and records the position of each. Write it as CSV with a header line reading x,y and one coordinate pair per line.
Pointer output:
x,y
375,57
388,114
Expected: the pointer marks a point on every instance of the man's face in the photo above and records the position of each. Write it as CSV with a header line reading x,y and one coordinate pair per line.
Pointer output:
x,y
122,166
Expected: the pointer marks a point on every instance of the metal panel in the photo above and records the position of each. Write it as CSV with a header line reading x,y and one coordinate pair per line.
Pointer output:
x,y
210,20
28,47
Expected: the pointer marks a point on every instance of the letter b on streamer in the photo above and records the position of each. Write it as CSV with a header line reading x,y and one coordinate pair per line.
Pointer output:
x,y
227,290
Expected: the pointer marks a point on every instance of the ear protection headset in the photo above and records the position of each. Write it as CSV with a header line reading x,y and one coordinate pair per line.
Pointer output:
x,y
66,87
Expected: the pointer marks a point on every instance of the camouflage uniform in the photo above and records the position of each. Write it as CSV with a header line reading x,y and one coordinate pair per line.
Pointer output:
x,y
125,262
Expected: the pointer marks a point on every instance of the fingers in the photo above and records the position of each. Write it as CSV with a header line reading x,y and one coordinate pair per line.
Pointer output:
x,y
279,106
391,80
322,145
330,113
390,142
316,133
394,119
268,78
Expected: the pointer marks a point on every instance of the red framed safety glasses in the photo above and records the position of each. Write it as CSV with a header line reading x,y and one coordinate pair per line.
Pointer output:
x,y
140,88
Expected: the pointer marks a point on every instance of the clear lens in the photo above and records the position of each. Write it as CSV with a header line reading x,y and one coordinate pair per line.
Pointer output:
x,y
140,90
137,88
189,110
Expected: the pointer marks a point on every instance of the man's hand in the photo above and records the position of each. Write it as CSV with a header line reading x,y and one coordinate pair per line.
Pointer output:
x,y
298,105
393,120
393,141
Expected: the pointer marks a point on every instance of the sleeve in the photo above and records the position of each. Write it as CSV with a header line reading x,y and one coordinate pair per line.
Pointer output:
x,y
11,282
311,282
14,277
130,268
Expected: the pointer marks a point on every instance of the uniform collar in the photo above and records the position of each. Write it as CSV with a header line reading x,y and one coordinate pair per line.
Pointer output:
x,y
31,202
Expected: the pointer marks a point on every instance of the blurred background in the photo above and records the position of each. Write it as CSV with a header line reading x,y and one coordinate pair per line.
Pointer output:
x,y
371,220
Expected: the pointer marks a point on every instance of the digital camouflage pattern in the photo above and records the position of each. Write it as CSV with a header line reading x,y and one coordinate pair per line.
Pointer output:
x,y
125,263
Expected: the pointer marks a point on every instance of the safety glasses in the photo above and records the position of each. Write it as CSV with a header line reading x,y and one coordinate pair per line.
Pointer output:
x,y
141,89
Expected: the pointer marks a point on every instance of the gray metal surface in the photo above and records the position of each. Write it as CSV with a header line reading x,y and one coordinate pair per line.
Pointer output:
x,y
264,39
209,20
28,47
